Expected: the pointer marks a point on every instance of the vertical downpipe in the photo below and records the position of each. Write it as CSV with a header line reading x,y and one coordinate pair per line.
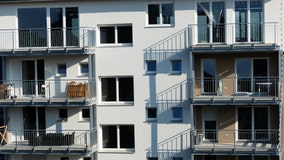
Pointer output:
x,y
280,58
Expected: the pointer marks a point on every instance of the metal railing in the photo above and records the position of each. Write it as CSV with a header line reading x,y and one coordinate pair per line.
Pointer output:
x,y
50,139
171,146
47,38
231,33
236,86
67,89
236,140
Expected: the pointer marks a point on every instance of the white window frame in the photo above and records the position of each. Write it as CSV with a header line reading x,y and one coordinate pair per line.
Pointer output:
x,y
118,149
115,36
176,71
160,24
57,70
146,66
81,115
80,69
116,102
147,112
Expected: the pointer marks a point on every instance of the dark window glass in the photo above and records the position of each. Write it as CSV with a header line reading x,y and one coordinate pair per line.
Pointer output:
x,y
126,136
153,14
72,24
152,158
126,89
108,89
244,123
32,27
64,158
167,13
176,65
87,158
152,112
84,68
56,24
85,113
107,35
151,66
177,112
124,34
109,136
63,113
61,69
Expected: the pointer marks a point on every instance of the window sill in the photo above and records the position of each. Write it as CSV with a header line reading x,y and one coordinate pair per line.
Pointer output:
x,y
83,75
116,103
60,75
175,73
126,151
151,73
160,26
151,120
176,121
115,45
84,120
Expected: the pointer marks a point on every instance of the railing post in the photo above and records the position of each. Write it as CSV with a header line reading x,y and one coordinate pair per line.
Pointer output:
x,y
30,38
13,41
83,37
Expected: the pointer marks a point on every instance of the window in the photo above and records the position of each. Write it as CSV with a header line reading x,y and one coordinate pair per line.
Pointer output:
x,y
118,136
85,114
117,89
84,68
61,69
177,113
176,66
177,158
118,34
64,158
253,123
87,158
152,158
151,113
63,114
161,14
249,20
32,22
211,19
151,66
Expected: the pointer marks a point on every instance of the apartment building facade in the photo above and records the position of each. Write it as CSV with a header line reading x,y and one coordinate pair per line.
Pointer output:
x,y
131,79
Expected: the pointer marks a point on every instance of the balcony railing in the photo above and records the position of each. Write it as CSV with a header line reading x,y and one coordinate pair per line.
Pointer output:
x,y
47,40
47,92
235,141
232,33
235,89
48,141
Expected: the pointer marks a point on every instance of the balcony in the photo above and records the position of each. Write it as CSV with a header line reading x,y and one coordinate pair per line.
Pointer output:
x,y
234,37
76,142
264,142
205,38
235,90
48,92
41,41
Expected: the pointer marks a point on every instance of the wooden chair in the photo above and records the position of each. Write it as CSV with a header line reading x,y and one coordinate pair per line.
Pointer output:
x,y
4,134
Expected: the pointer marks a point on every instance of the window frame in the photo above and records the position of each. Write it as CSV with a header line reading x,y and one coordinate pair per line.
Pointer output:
x,y
116,34
58,70
117,98
80,69
177,119
147,112
172,66
160,24
85,118
118,140
148,66
61,117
